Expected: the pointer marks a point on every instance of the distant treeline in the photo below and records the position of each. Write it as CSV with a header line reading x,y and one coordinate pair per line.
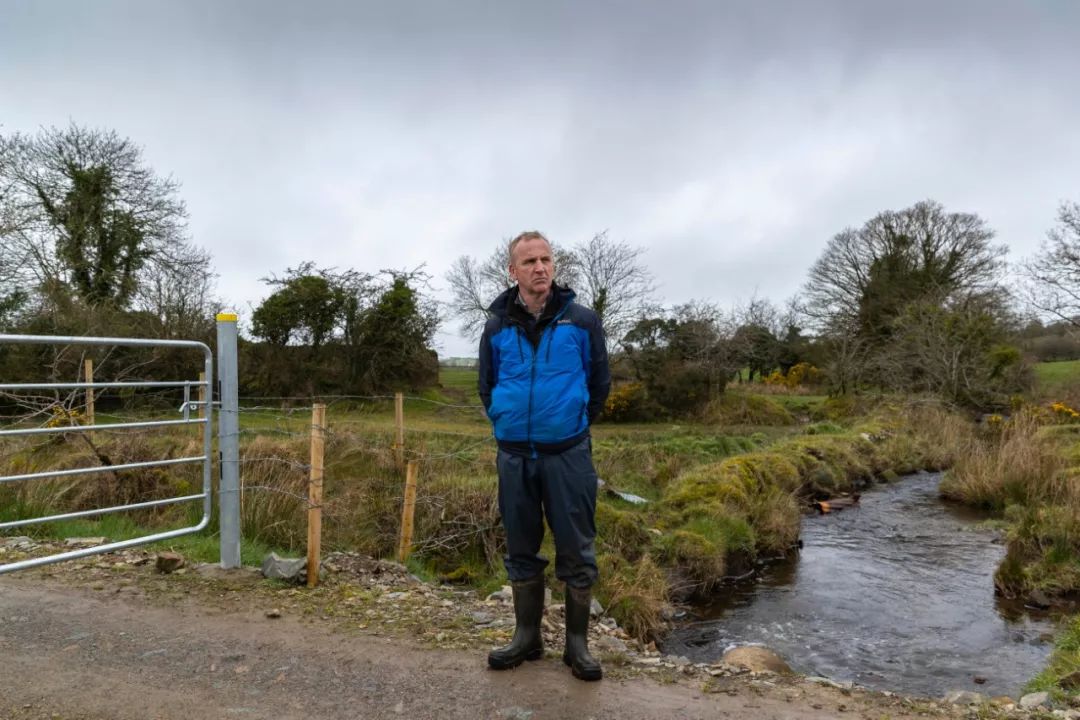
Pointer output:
x,y
917,300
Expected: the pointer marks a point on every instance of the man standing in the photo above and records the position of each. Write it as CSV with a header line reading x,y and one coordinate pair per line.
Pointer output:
x,y
543,380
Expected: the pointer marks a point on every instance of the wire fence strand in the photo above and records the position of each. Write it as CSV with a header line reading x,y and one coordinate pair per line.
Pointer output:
x,y
445,445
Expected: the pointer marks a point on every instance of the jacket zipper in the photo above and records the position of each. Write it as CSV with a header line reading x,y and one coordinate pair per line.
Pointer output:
x,y
535,353
549,333
532,385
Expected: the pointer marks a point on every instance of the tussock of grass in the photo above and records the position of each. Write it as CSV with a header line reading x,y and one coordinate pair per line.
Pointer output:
x,y
457,525
739,408
634,593
824,428
701,560
1043,550
774,516
1014,465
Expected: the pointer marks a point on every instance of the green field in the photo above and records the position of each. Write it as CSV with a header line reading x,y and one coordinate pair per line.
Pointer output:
x,y
459,384
1058,379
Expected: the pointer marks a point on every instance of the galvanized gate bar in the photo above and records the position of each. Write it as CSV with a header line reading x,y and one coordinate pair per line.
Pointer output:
x,y
205,458
100,428
103,511
14,387
101,468
83,340
110,547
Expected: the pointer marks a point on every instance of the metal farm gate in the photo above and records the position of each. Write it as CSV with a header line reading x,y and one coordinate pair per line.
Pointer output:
x,y
204,419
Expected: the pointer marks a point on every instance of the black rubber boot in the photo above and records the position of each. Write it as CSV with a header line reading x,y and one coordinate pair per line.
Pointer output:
x,y
528,643
582,664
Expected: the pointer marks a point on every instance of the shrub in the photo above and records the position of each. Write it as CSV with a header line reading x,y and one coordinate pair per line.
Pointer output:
x,y
775,378
1064,413
681,390
799,375
804,374
629,403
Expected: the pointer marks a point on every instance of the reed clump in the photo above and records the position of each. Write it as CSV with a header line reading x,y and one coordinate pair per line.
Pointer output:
x,y
1026,468
1015,463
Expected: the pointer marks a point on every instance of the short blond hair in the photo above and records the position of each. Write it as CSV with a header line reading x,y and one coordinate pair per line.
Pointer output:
x,y
527,235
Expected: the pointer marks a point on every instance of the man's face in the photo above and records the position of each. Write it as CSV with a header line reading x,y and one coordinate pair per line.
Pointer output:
x,y
531,266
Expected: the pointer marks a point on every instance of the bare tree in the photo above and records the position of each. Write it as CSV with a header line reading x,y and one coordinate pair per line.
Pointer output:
x,y
958,350
1053,275
614,281
476,283
897,257
848,359
78,206
27,258
608,276
178,291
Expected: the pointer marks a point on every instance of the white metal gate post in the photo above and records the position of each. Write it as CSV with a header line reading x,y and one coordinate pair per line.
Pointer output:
x,y
228,441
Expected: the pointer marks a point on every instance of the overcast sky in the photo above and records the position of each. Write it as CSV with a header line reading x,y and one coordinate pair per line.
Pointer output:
x,y
731,140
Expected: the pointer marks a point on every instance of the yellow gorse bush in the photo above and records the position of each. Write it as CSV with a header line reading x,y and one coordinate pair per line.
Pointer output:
x,y
1064,412
800,374
625,402
62,417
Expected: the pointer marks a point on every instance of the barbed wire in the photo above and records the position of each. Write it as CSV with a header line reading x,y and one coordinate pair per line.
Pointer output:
x,y
342,397
274,458
279,491
458,453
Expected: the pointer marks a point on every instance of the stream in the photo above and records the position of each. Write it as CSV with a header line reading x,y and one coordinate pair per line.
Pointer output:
x,y
895,593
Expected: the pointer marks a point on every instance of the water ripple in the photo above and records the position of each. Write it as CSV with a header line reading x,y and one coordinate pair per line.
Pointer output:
x,y
896,594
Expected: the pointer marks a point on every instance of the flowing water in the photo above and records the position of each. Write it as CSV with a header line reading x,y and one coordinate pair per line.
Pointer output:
x,y
895,593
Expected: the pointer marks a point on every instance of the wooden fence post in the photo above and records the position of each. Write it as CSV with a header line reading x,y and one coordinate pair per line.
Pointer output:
x,y
408,509
88,376
399,429
315,493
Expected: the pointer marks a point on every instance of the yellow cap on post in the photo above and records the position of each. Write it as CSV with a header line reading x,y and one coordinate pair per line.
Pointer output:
x,y
226,317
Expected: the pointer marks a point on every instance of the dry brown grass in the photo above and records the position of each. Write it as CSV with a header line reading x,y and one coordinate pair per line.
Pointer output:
x,y
1013,463
105,489
635,594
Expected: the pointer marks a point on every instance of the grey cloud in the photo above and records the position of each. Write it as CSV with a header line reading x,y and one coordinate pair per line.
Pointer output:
x,y
731,140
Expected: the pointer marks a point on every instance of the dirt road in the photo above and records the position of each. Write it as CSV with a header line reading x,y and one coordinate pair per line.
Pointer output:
x,y
69,652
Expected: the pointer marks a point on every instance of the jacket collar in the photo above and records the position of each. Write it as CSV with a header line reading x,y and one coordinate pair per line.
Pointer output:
x,y
506,304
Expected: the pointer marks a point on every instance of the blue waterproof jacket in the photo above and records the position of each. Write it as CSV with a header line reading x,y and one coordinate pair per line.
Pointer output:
x,y
542,381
